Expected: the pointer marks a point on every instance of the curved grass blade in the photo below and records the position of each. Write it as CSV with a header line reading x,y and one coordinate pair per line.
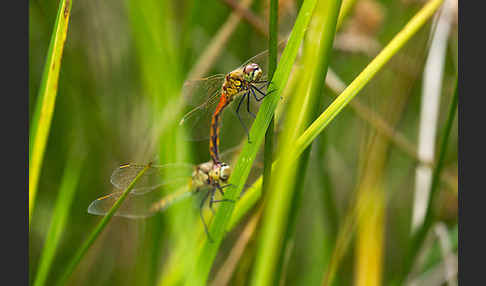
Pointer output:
x,y
44,109
253,194
367,74
242,168
272,64
96,232
277,218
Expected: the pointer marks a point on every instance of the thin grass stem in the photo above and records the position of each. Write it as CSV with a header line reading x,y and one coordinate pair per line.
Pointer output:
x,y
242,168
253,194
96,232
419,237
277,214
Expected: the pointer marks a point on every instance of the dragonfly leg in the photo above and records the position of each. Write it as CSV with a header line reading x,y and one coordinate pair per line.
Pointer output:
x,y
239,117
239,103
202,217
262,81
261,92
211,200
248,105
255,96
268,83
220,189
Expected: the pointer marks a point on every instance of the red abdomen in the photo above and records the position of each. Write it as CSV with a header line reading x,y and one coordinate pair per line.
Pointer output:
x,y
214,133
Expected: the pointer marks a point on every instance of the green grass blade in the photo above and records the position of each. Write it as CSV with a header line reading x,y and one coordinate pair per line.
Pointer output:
x,y
367,74
315,59
253,194
59,217
96,232
242,168
346,7
419,237
272,60
44,109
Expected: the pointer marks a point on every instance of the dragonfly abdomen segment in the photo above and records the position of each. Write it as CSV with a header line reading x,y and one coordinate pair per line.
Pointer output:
x,y
215,126
231,86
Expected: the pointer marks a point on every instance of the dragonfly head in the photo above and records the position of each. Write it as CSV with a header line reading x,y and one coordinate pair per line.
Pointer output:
x,y
220,173
225,172
252,72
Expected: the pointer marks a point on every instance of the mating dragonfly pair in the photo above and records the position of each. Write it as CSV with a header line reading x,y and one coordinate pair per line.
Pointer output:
x,y
210,96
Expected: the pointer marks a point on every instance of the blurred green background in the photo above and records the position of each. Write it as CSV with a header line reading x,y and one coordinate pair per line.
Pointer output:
x,y
123,66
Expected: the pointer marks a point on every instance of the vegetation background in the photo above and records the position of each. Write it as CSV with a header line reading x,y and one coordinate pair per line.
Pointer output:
x,y
349,219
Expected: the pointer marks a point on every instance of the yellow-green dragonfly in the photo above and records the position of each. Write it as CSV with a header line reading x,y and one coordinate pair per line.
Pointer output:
x,y
207,97
185,178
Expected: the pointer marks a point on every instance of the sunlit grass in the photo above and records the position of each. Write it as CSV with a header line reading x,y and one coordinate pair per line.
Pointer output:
x,y
252,195
45,102
323,213
242,168
315,57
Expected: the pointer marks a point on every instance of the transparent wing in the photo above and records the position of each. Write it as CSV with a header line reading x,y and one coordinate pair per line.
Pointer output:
x,y
245,106
171,199
201,96
136,206
198,91
156,176
198,121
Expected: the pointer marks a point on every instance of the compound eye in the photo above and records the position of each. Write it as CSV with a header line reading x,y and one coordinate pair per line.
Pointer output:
x,y
225,172
257,74
250,68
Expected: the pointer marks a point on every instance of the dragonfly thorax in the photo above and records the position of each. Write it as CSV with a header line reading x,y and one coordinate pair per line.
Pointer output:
x,y
241,79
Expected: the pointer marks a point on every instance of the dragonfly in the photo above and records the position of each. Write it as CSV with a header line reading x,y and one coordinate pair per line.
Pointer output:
x,y
181,180
213,94
186,179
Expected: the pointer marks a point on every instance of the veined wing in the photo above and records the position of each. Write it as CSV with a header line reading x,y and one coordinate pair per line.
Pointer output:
x,y
201,92
201,96
136,206
246,105
156,176
197,121
171,199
